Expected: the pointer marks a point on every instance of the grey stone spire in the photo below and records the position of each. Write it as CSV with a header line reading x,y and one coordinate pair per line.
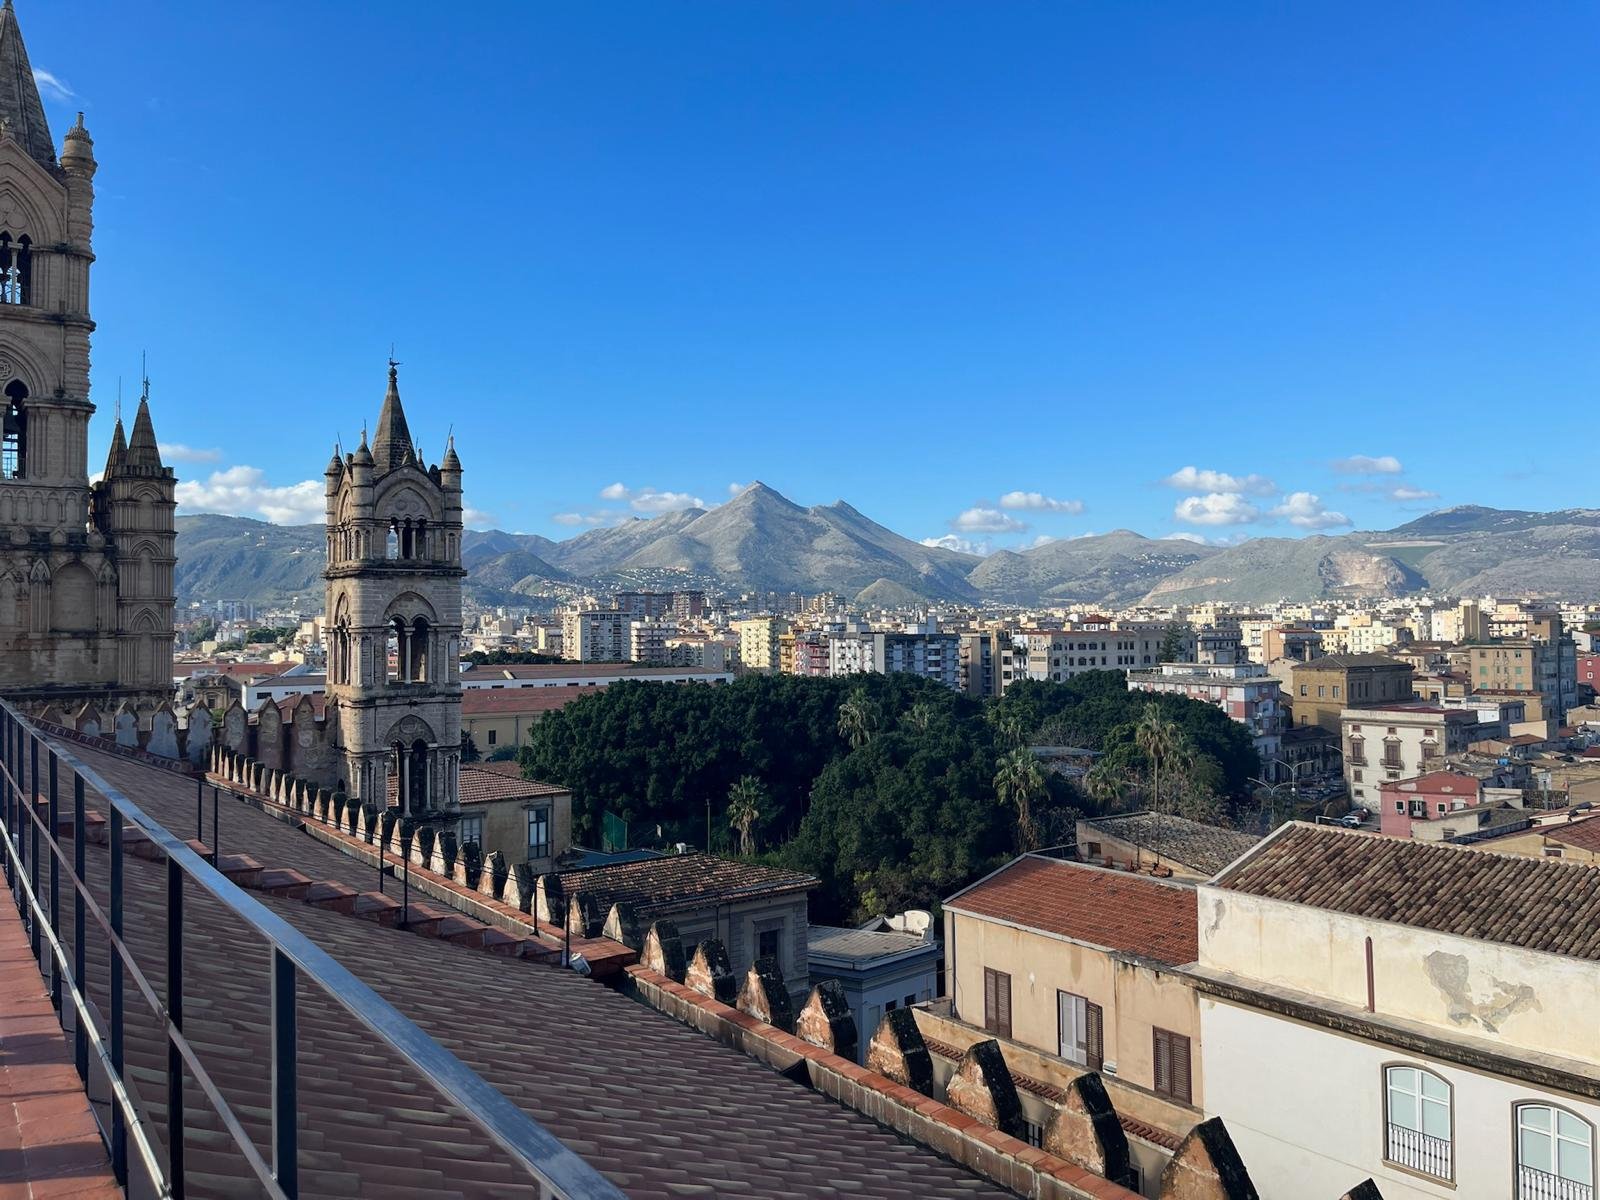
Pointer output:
x,y
391,445
142,449
119,448
21,112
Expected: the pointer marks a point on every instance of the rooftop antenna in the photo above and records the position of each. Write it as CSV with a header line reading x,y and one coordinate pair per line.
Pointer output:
x,y
144,374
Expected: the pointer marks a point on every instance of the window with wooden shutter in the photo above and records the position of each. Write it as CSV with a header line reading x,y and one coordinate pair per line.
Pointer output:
x,y
1094,1021
997,1002
1172,1069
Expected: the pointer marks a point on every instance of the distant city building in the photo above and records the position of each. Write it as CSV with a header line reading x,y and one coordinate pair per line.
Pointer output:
x,y
594,635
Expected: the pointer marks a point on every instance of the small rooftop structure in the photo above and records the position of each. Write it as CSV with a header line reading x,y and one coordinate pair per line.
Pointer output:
x,y
1205,849
658,887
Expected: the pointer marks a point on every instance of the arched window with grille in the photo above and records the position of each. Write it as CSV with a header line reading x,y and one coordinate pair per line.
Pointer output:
x,y
1419,1132
1555,1154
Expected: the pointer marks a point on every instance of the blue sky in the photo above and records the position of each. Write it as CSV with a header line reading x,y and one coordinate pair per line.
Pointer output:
x,y
990,271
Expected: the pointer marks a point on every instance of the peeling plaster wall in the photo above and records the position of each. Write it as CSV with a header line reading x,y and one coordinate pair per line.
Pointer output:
x,y
1522,999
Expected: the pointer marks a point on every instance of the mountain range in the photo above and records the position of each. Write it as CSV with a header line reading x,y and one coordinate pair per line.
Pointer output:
x,y
762,541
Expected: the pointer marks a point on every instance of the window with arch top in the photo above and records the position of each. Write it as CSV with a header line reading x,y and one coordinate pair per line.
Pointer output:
x,y
16,269
1555,1154
14,443
1419,1131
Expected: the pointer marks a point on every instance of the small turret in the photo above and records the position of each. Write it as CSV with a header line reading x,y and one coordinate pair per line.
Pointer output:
x,y
77,151
450,468
119,450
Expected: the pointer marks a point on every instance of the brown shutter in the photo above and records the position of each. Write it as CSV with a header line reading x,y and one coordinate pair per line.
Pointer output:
x,y
1094,1035
1180,1068
1163,1063
989,1005
1003,1005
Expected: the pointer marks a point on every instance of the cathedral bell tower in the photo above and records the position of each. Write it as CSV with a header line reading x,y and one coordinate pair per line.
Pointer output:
x,y
394,620
85,572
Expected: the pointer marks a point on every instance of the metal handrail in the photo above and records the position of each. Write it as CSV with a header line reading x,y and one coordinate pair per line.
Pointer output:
x,y
559,1171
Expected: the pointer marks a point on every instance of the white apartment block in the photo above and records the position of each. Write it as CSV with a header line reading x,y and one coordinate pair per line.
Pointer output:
x,y
1386,744
594,635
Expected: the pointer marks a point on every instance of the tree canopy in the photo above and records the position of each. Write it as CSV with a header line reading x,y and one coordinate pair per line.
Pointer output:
x,y
893,790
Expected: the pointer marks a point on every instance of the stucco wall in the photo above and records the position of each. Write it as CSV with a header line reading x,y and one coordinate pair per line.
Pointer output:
x,y
1518,998
1136,998
1306,1104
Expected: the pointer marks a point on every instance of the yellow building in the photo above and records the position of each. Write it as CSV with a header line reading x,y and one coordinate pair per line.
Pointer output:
x,y
759,643
1320,690
1080,962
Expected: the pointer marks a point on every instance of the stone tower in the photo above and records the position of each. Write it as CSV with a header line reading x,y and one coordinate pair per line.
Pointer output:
x,y
85,573
394,619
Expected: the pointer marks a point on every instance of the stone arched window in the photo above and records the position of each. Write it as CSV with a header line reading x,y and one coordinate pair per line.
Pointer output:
x,y
14,444
16,269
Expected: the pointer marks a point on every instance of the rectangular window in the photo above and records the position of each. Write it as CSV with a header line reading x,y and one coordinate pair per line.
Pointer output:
x,y
909,1001
471,830
997,1002
493,733
1081,1030
538,833
767,943
1172,1077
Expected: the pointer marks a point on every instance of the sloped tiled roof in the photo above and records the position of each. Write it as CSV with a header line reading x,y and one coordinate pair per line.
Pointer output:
x,y
1535,903
1580,835
1196,845
481,786
679,882
1131,913
480,702
661,1109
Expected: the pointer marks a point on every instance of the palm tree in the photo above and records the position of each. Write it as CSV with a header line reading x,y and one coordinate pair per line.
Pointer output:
x,y
1018,782
1105,783
746,799
1161,742
857,721
920,716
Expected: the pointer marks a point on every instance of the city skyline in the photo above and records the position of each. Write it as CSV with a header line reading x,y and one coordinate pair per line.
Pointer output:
x,y
1222,271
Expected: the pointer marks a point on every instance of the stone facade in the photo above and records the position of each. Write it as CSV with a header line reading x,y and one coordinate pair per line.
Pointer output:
x,y
85,571
394,620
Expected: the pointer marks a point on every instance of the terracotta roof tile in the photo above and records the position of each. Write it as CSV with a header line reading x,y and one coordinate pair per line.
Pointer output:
x,y
1129,913
1535,903
1580,835
1194,844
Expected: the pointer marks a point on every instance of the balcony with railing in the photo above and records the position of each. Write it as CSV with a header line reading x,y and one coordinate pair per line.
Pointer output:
x,y
1419,1151
1533,1184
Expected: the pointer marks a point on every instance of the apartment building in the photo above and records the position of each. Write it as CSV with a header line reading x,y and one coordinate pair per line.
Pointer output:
x,y
1243,690
1403,742
647,642
934,656
1056,655
1426,1035
1291,641
594,635
1321,690
1546,663
759,642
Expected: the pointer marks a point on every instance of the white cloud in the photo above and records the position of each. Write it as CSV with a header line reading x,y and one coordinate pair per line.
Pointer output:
x,y
243,491
615,491
476,518
986,520
1305,510
1365,464
651,501
1044,539
735,488
1039,502
961,545
1216,508
177,452
53,86
1194,479
1405,492
1185,536
577,518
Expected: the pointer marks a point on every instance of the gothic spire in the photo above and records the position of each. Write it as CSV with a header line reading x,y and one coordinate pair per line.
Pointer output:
x,y
142,448
119,450
392,443
21,113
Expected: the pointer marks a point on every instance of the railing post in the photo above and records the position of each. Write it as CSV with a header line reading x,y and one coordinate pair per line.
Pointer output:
x,y
80,1037
200,808
53,821
285,1133
119,1132
33,834
175,1114
216,854
5,790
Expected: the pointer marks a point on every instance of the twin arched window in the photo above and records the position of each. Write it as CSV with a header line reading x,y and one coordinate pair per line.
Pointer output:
x,y
16,269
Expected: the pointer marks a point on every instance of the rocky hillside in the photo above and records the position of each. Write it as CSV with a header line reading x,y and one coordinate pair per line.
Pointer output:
x,y
761,540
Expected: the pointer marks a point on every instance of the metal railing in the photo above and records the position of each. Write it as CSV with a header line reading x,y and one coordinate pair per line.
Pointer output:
x,y
1420,1152
35,864
1534,1184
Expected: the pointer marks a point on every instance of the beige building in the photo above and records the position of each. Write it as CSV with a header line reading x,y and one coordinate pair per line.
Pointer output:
x,y
1409,1012
526,821
1385,744
760,643
1080,962
86,571
1320,690
594,635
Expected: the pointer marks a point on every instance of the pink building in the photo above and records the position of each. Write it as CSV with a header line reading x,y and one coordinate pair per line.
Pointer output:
x,y
1407,803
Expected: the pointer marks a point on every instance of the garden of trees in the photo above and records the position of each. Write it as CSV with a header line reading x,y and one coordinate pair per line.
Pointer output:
x,y
892,790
